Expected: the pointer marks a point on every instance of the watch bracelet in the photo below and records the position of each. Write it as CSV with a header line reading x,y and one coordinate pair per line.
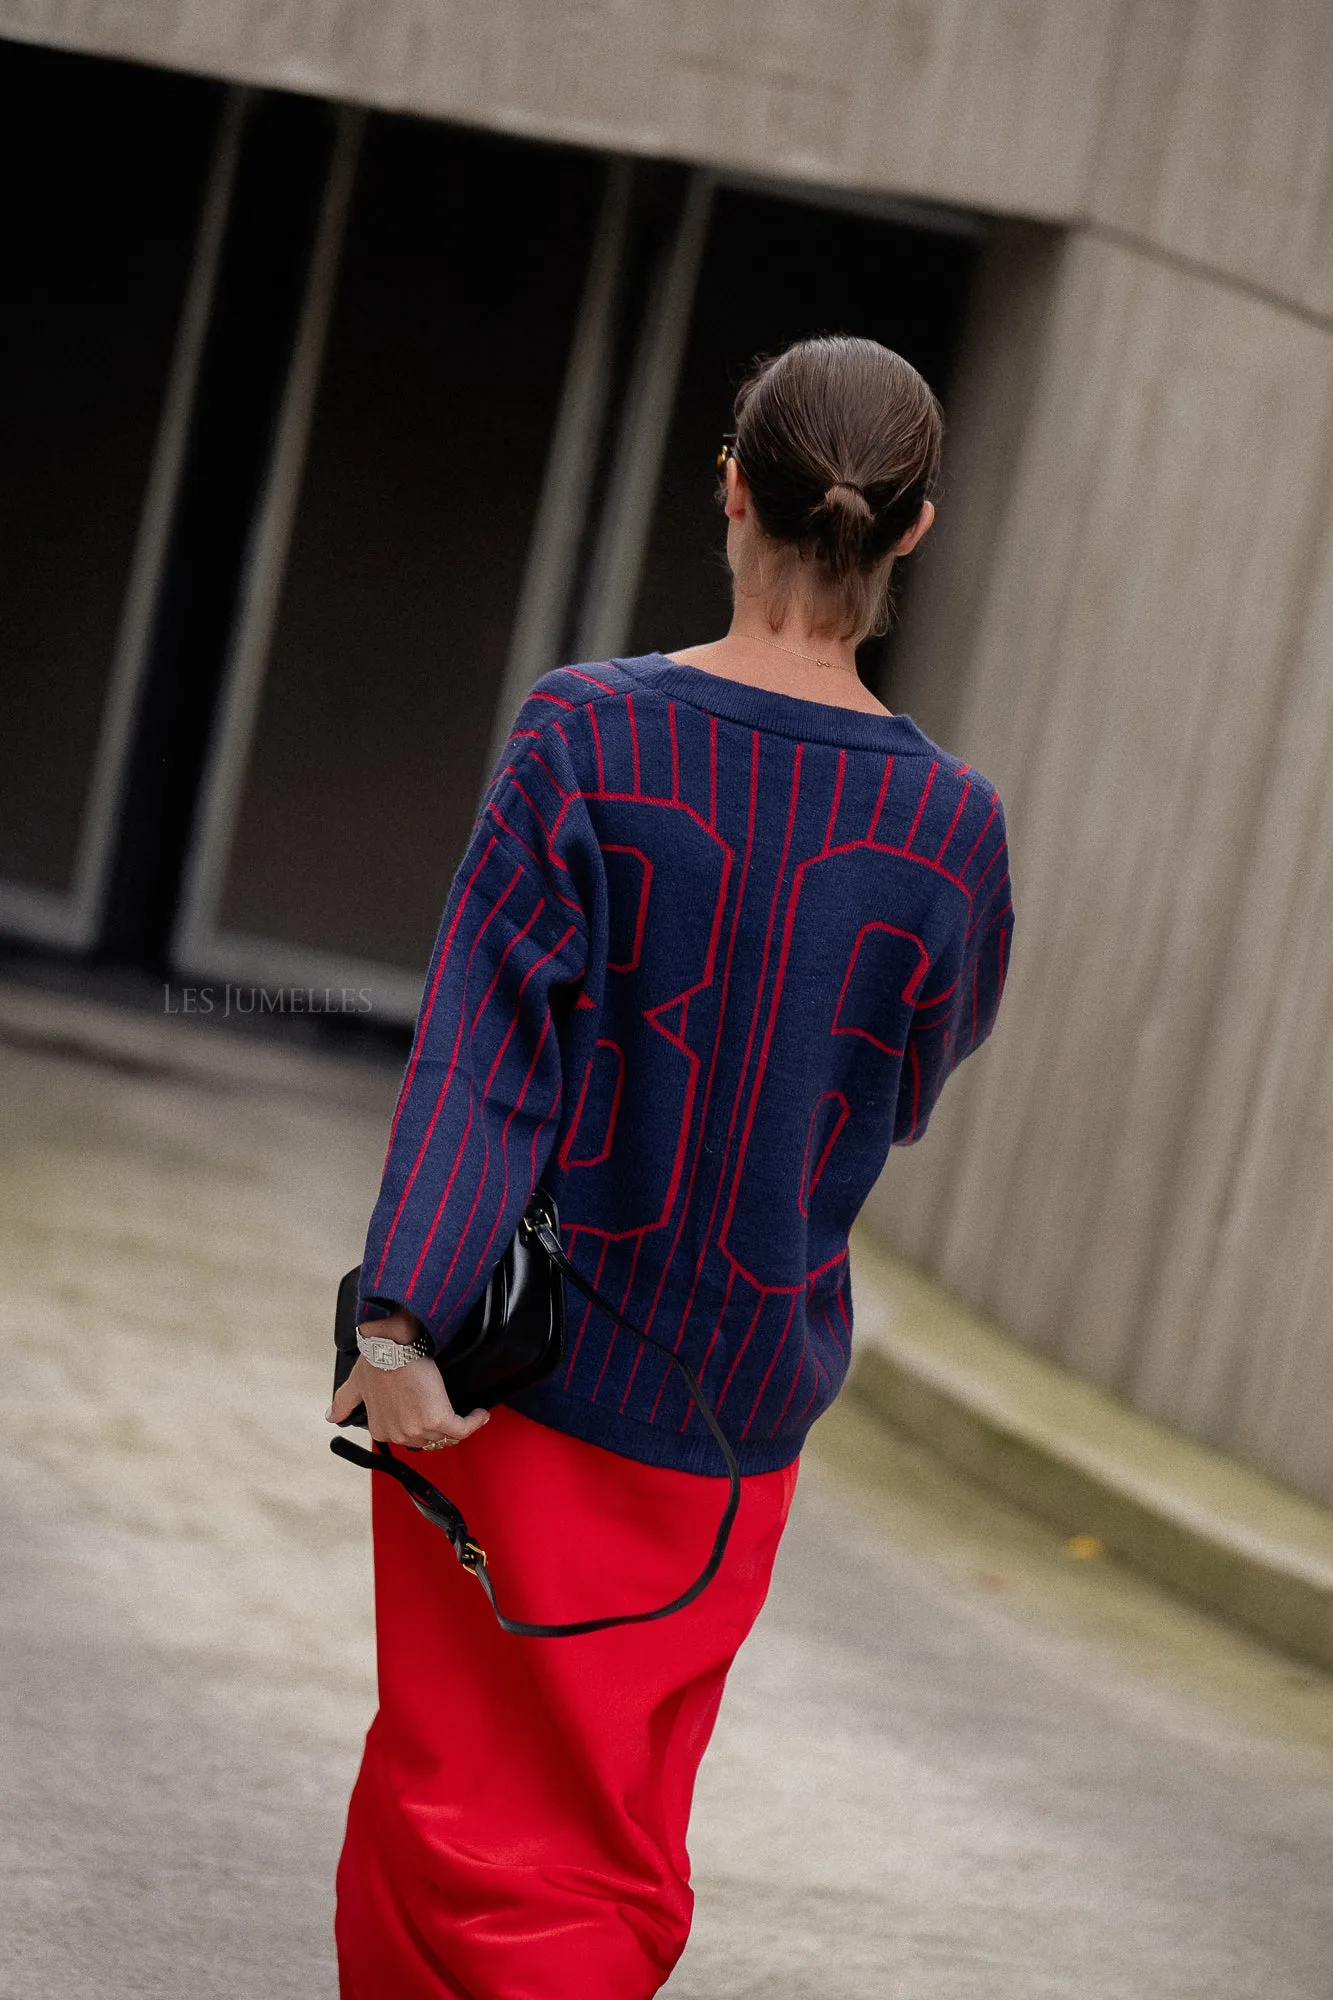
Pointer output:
x,y
420,1347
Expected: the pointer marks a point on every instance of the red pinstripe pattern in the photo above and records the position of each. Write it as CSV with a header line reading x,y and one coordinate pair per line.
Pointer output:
x,y
597,739
712,1341
800,1370
622,1302
579,674
768,1372
634,743
501,963
441,1205
987,869
565,1154
987,915
741,1351
886,780
587,1310
554,952
927,789
442,960
805,1407
763,972
837,797
484,1259
963,797
490,1078
549,854
990,821
516,837
537,758
448,1078
562,1151
712,770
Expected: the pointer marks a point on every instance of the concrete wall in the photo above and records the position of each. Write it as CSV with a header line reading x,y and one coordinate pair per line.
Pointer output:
x,y
987,102
1132,639
1128,622
1126,618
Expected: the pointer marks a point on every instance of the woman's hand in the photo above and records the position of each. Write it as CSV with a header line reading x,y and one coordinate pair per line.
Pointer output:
x,y
407,1406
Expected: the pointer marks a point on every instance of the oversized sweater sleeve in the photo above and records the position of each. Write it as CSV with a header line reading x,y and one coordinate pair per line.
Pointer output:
x,y
958,1008
480,1101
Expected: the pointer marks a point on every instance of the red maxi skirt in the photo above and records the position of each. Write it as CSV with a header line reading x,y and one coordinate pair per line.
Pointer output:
x,y
517,1830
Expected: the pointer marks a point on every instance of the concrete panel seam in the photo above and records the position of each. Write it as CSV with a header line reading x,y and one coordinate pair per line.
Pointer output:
x,y
1198,267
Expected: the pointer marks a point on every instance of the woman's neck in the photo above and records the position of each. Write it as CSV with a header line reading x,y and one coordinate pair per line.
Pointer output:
x,y
794,659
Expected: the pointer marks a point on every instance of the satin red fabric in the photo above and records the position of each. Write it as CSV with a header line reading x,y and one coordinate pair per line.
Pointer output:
x,y
518,1827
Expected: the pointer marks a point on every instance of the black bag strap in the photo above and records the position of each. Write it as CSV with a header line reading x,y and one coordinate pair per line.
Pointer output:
x,y
439,1508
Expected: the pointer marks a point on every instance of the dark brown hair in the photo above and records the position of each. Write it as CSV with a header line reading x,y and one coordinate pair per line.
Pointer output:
x,y
839,441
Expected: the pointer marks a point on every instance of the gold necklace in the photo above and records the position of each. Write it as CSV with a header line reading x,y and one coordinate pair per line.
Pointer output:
x,y
811,660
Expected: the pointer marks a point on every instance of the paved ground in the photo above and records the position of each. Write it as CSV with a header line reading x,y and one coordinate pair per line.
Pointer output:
x,y
954,1763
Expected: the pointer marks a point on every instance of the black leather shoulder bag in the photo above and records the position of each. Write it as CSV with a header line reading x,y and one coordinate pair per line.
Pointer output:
x,y
512,1338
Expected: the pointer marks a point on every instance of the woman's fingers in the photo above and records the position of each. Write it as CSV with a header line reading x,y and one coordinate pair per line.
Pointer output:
x,y
465,1427
406,1406
452,1431
346,1399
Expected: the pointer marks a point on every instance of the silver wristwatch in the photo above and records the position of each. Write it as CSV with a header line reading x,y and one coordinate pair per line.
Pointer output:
x,y
381,1352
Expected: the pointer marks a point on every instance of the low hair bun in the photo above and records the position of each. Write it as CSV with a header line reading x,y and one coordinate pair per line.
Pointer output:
x,y
845,486
841,525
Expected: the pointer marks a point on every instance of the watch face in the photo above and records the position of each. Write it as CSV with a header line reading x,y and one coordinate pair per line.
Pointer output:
x,y
382,1353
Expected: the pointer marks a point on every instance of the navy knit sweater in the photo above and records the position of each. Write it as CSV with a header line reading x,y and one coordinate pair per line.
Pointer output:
x,y
710,952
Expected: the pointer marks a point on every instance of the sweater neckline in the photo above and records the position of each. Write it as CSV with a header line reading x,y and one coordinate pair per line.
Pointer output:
x,y
784,714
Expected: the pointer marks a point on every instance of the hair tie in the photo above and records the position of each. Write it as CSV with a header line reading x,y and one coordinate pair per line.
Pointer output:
x,y
843,486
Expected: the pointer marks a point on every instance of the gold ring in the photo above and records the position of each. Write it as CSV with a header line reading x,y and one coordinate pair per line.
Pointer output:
x,y
436,1444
